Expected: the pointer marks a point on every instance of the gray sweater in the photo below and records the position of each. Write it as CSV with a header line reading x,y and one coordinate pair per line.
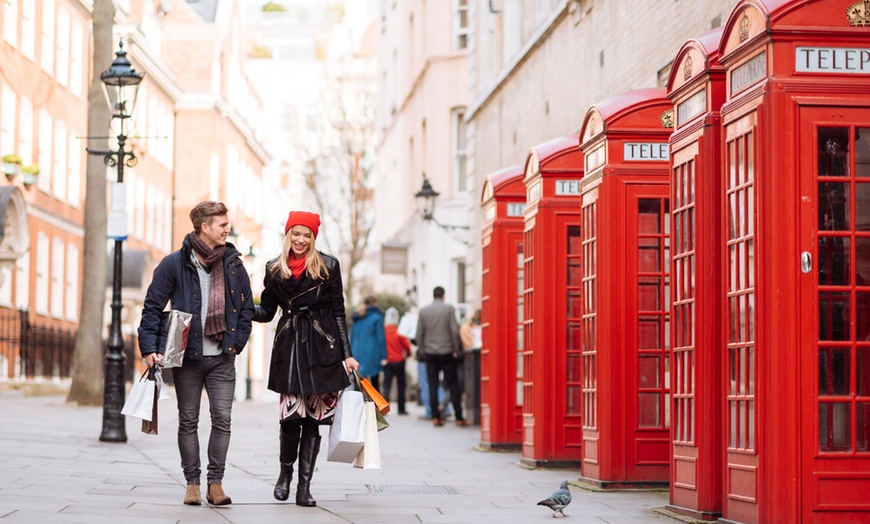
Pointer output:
x,y
437,329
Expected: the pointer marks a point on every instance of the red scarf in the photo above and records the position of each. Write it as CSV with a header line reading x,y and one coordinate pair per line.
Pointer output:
x,y
297,265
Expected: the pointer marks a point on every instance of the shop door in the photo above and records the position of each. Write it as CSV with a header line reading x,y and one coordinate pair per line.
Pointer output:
x,y
835,292
647,368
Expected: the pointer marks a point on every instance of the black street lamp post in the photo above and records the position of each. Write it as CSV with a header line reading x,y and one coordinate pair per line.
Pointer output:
x,y
426,198
120,85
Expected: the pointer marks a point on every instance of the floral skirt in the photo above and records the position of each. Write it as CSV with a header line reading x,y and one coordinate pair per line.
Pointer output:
x,y
320,408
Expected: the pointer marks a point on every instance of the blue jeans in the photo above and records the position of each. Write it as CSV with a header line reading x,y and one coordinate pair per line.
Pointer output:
x,y
218,376
435,364
423,379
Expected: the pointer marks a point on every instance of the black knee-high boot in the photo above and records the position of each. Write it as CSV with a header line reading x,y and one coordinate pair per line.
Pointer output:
x,y
289,449
308,449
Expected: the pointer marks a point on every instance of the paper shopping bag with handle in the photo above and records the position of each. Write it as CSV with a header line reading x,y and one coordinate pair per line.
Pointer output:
x,y
369,456
347,432
140,401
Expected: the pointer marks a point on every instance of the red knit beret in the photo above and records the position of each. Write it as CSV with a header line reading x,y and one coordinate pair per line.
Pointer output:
x,y
303,218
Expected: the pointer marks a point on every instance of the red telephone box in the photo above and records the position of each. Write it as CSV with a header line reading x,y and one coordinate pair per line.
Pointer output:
x,y
697,89
796,168
501,410
551,395
625,274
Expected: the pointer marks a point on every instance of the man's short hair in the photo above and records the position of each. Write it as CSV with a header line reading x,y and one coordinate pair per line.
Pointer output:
x,y
204,211
438,292
370,300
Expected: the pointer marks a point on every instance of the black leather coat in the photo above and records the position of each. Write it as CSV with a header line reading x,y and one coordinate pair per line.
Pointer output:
x,y
311,338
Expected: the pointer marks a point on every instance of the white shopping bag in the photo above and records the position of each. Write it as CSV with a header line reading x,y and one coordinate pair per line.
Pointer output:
x,y
369,457
347,433
408,325
177,328
140,401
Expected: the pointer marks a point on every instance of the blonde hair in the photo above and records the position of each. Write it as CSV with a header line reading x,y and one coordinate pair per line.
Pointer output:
x,y
314,264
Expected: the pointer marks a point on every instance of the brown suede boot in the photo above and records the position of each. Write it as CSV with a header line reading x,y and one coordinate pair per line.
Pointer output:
x,y
192,497
216,496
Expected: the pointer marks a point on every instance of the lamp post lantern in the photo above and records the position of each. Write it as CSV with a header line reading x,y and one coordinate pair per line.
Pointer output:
x,y
120,85
426,206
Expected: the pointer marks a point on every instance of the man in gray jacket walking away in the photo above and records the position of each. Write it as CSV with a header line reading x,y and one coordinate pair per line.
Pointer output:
x,y
438,339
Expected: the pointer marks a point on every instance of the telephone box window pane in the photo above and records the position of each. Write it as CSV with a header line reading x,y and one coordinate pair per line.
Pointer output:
x,y
649,294
750,315
734,424
862,420
649,410
732,164
862,316
649,215
833,206
741,144
835,428
575,272
834,372
648,333
862,372
834,316
862,152
750,379
834,254
862,203
750,213
575,303
648,255
732,317
751,425
575,400
575,368
649,375
575,242
833,151
575,338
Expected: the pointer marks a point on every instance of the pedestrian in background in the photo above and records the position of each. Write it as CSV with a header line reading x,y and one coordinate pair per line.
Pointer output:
x,y
368,340
206,278
398,349
311,354
438,339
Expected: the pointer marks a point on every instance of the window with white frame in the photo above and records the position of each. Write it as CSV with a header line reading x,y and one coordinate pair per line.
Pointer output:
x,y
10,22
62,47
7,126
59,166
22,281
45,139
6,289
28,30
76,64
460,152
72,282
461,24
74,178
48,29
43,261
25,131
57,274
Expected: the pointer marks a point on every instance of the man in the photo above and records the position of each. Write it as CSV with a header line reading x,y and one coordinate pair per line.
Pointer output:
x,y
368,340
438,339
207,279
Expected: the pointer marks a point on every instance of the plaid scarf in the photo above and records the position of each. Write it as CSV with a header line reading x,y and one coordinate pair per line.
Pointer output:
x,y
215,320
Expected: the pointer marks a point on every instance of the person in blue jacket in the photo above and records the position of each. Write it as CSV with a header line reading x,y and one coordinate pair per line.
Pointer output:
x,y
206,278
369,341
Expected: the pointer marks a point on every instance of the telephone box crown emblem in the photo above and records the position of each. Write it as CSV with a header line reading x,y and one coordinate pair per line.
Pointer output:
x,y
858,13
667,119
743,30
687,68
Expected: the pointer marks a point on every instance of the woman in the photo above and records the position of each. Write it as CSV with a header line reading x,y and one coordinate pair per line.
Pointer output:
x,y
398,349
311,355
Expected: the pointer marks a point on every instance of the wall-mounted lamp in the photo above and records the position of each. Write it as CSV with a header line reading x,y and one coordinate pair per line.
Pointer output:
x,y
426,205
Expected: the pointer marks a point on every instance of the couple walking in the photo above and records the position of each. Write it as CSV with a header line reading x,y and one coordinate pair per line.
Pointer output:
x,y
311,355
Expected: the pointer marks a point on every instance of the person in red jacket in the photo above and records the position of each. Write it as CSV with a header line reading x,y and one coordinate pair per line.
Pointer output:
x,y
398,349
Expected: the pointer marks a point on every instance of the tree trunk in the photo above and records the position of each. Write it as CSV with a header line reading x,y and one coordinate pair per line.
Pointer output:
x,y
89,357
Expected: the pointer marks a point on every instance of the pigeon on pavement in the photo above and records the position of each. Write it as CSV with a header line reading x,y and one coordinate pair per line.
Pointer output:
x,y
559,500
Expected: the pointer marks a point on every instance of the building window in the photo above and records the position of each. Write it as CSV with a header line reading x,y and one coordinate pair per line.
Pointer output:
x,y
57,275
25,131
62,47
74,177
459,266
7,133
459,149
10,22
6,289
48,36
22,281
42,263
72,280
45,139
59,167
461,24
28,30
76,65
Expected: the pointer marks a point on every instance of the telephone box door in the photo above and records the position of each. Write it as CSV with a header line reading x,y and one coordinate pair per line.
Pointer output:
x,y
835,305
647,375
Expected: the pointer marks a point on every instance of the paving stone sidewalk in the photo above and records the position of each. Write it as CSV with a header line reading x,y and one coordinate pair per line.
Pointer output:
x,y
54,469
